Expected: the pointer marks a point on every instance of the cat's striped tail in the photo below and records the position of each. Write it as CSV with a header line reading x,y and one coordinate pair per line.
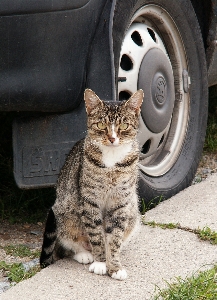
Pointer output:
x,y
49,242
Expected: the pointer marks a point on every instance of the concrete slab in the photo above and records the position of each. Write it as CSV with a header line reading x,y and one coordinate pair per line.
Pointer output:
x,y
194,207
154,256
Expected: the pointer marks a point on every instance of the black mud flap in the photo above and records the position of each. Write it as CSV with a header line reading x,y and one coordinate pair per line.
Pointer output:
x,y
41,144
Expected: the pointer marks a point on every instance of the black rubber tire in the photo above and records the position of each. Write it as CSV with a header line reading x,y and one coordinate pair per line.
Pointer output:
x,y
181,174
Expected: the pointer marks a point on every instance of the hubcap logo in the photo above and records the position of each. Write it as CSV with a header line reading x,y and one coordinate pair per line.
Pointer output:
x,y
160,94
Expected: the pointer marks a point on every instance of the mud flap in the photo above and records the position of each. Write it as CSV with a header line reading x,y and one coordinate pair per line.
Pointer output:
x,y
41,144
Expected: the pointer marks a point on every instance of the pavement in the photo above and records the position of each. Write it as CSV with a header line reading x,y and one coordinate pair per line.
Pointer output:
x,y
151,258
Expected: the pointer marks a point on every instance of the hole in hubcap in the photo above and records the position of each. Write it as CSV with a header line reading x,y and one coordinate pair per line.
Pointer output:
x,y
126,63
152,34
161,141
124,95
137,38
146,147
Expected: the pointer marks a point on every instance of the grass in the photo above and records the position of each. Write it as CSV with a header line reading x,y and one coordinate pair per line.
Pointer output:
x,y
211,135
210,144
205,234
144,206
161,225
20,251
200,286
16,271
19,206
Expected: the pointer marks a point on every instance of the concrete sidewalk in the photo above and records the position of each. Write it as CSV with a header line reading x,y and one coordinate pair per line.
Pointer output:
x,y
154,256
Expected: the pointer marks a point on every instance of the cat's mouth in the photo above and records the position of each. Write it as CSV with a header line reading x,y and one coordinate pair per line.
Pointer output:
x,y
112,145
113,140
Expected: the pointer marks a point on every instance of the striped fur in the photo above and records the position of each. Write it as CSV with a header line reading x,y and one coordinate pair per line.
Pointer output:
x,y
49,241
96,206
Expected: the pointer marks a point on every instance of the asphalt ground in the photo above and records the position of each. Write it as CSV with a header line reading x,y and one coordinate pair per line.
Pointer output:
x,y
152,258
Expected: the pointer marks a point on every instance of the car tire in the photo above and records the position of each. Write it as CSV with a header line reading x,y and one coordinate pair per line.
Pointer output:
x,y
163,53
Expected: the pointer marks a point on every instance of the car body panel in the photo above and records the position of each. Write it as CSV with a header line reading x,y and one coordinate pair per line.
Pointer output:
x,y
44,58
10,7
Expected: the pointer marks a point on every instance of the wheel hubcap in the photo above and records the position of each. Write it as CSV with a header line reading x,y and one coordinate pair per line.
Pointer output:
x,y
156,79
153,58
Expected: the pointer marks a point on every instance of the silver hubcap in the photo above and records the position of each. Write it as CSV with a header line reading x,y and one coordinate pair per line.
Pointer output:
x,y
153,58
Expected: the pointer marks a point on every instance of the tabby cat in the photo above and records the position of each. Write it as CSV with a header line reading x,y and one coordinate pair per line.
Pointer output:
x,y
96,206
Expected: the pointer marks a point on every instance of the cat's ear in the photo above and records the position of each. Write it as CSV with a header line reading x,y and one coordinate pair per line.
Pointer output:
x,y
91,100
135,101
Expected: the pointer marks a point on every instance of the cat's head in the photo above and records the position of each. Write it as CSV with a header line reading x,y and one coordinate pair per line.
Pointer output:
x,y
112,123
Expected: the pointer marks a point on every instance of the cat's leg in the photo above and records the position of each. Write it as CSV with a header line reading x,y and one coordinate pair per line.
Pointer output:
x,y
92,220
119,223
81,253
73,238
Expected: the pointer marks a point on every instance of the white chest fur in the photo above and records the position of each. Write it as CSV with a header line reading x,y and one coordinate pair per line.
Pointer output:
x,y
114,154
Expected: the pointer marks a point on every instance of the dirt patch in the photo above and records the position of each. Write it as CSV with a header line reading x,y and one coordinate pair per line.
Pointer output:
x,y
207,166
30,235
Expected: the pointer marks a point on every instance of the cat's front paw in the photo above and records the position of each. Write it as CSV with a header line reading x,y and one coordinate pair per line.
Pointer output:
x,y
83,257
120,274
98,267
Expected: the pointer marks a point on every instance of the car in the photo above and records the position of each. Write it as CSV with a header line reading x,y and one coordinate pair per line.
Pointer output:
x,y
50,51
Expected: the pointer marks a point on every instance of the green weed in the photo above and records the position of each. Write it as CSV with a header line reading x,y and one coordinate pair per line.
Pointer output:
x,y
211,135
200,286
21,251
207,234
210,144
145,206
16,272
161,225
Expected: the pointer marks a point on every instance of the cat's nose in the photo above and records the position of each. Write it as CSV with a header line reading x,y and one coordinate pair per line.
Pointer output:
x,y
111,139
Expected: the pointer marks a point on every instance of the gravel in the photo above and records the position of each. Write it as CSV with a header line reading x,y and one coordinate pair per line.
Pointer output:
x,y
207,166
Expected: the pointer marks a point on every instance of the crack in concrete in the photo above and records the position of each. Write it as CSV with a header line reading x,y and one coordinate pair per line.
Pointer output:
x,y
205,234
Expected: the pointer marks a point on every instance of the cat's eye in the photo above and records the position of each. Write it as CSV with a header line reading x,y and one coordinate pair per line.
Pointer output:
x,y
101,125
123,126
